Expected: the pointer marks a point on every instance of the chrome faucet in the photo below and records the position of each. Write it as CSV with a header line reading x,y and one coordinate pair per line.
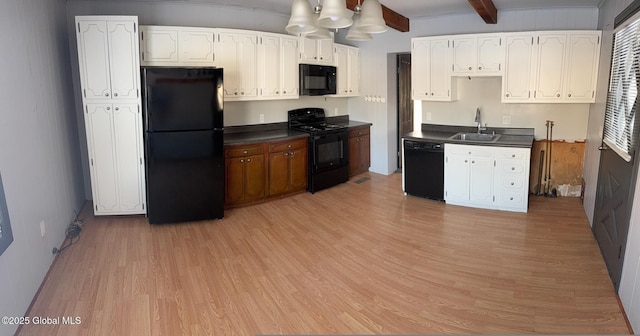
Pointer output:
x,y
479,121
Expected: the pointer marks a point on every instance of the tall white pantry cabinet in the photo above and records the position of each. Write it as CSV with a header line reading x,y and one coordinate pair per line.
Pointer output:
x,y
108,55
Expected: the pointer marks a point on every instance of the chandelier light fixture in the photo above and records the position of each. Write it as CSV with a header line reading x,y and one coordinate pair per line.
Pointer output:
x,y
333,14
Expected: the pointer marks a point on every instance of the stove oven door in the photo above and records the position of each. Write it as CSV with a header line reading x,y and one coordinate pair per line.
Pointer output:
x,y
329,151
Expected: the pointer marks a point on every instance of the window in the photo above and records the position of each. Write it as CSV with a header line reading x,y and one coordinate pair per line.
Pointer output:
x,y
6,237
620,126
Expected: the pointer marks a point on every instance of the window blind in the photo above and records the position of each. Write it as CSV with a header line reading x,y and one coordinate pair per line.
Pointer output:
x,y
620,126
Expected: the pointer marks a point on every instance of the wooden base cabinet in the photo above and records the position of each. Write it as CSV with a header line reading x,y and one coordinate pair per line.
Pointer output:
x,y
288,164
244,171
359,150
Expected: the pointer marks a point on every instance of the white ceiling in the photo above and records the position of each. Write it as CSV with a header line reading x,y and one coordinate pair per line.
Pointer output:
x,y
409,8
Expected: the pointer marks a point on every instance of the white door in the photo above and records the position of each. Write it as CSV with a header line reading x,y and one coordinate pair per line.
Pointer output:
x,y
308,50
342,65
229,59
289,70
270,66
102,157
248,70
582,64
481,180
159,45
127,147
325,51
354,71
123,59
490,55
196,47
550,67
516,82
420,69
439,74
465,54
93,55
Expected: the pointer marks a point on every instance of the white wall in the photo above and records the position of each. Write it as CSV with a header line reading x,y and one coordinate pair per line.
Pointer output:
x,y
196,14
39,151
375,81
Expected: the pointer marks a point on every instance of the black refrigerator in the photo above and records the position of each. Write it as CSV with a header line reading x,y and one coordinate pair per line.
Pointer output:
x,y
183,123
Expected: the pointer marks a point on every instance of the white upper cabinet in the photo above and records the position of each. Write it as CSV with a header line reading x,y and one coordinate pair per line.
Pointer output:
x,y
158,45
196,46
430,69
108,56
237,54
278,67
316,51
347,60
561,67
477,55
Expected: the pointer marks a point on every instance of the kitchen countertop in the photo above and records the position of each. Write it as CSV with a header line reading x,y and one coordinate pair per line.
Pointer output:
x,y
511,137
252,134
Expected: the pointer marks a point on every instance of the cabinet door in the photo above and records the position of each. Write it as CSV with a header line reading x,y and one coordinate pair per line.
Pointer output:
x,y
354,71
308,50
159,45
550,67
325,51
298,169
196,46
421,89
270,66
439,59
235,180
516,82
582,67
354,155
456,175
101,145
123,59
490,55
481,180
278,173
289,71
342,64
128,153
254,178
228,51
465,54
93,55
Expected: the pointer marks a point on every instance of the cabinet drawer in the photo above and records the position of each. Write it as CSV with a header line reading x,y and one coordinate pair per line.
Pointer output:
x,y
469,150
511,198
242,151
359,132
513,154
282,146
512,166
512,183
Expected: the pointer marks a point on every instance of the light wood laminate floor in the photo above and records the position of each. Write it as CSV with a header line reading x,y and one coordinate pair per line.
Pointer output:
x,y
359,258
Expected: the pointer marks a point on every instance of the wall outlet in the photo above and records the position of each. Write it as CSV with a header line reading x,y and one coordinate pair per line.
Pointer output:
x,y
506,120
428,115
261,118
43,228
336,111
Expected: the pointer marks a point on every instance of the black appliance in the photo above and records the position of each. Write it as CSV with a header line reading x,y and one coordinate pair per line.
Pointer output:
x,y
183,124
317,80
328,147
423,169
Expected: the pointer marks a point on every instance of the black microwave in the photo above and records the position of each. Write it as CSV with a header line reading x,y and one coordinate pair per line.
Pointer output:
x,y
317,80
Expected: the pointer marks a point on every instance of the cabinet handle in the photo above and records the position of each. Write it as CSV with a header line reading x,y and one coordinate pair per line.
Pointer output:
x,y
508,95
479,68
243,93
292,153
315,57
350,91
465,161
432,93
248,160
108,108
277,92
117,109
426,93
106,94
513,155
235,93
245,151
285,92
558,95
470,68
241,160
473,162
511,199
286,154
321,58
288,146
512,183
513,168
115,94
569,95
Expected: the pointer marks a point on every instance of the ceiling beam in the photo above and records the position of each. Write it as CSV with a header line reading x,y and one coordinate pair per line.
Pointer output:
x,y
392,19
486,9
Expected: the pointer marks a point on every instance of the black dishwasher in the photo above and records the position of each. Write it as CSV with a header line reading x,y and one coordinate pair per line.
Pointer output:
x,y
423,169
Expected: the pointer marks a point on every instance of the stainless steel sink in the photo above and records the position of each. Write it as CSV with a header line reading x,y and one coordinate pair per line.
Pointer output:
x,y
475,137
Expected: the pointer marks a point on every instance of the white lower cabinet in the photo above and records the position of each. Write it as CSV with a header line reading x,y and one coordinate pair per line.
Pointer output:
x,y
114,140
487,177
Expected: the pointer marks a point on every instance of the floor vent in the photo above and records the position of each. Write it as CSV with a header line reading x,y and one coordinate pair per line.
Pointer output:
x,y
362,180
